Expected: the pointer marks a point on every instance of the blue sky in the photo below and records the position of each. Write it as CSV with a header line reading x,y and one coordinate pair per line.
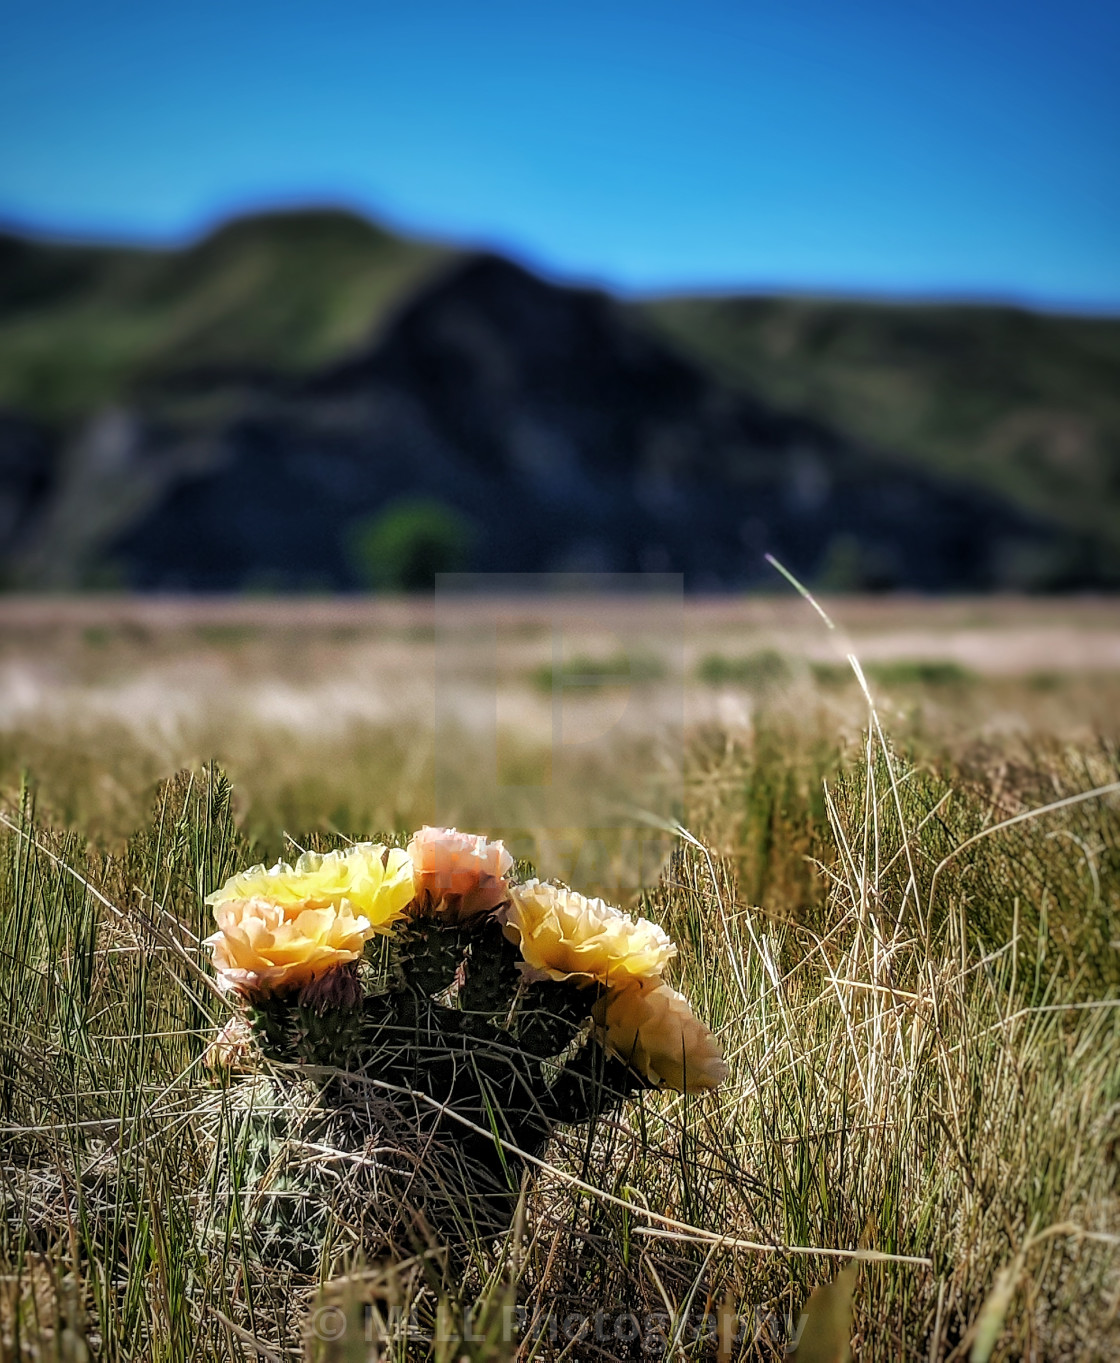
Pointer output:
x,y
969,149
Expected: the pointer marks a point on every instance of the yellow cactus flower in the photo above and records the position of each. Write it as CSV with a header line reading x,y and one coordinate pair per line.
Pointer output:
x,y
281,926
651,1027
458,874
375,881
564,936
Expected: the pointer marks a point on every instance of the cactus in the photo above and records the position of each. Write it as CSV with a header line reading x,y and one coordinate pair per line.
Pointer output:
x,y
326,1026
481,1078
491,977
550,1014
427,955
447,1061
270,1019
590,1084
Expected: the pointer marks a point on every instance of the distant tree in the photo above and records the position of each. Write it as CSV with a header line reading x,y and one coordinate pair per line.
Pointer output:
x,y
851,565
403,546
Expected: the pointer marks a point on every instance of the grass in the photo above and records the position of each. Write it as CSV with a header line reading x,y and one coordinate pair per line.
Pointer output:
x,y
767,669
909,672
618,669
756,671
915,979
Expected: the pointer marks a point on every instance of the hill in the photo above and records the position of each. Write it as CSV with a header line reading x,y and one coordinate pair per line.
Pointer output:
x,y
1024,404
84,326
497,423
303,400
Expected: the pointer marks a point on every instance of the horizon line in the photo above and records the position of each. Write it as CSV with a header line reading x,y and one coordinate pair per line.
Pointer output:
x,y
209,223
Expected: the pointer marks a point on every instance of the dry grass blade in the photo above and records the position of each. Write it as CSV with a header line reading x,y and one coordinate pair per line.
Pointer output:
x,y
825,1330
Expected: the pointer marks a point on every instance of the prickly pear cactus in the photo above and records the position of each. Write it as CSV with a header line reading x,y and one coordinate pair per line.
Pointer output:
x,y
491,978
551,1014
416,1078
270,1020
428,954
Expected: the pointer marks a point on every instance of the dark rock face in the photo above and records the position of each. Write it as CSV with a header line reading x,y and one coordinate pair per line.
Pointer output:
x,y
28,475
568,436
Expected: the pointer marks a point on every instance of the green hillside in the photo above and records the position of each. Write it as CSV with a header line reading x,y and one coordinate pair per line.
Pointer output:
x,y
1025,403
82,325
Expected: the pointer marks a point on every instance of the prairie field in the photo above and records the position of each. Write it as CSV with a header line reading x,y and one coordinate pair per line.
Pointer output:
x,y
886,842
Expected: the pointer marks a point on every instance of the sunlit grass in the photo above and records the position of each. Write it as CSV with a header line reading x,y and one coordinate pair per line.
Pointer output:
x,y
924,1045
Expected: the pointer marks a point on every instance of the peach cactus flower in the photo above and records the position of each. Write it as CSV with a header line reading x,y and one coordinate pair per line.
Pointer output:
x,y
231,1049
458,874
651,1027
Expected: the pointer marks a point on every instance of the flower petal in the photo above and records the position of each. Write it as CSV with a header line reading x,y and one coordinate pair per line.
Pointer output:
x,y
563,935
651,1027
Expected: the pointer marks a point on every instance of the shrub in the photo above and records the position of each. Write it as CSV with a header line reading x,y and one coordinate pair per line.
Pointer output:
x,y
404,546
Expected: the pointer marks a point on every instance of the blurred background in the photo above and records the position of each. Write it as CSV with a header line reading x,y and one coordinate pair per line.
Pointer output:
x,y
306,299
321,301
